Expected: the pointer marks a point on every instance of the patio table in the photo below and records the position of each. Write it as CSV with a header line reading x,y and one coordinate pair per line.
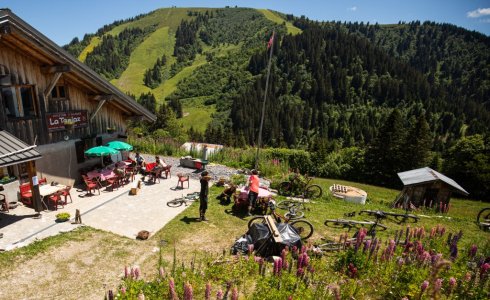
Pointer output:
x,y
263,193
47,189
103,174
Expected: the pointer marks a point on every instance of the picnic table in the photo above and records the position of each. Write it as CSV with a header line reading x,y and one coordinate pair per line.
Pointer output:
x,y
241,198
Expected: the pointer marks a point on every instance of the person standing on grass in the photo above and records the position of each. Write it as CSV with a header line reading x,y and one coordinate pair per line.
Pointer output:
x,y
253,190
203,195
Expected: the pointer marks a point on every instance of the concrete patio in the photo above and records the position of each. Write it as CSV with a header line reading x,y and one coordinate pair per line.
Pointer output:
x,y
115,211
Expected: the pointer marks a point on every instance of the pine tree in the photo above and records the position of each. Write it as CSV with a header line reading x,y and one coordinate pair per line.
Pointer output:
x,y
418,145
384,157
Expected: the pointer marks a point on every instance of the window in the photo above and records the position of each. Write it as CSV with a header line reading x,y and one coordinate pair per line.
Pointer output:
x,y
19,101
58,92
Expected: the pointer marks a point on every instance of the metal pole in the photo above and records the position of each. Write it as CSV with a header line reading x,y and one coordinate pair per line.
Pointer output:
x,y
259,141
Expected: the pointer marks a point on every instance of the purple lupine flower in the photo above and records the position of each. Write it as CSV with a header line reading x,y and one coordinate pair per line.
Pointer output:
x,y
110,295
303,249
171,290
277,266
137,273
219,295
285,265
432,232
207,293
352,270
484,270
473,250
126,272
425,257
188,295
424,286
295,250
367,244
437,284
123,290
435,258
250,249
290,297
283,257
453,251
234,294
300,272
311,269
300,261
408,247
258,259
162,272
467,276
452,283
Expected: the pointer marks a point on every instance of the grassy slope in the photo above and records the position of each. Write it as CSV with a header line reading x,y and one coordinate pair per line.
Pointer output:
x,y
143,58
196,114
94,42
223,228
277,19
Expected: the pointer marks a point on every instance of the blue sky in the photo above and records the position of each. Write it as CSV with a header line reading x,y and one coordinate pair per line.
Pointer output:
x,y
62,20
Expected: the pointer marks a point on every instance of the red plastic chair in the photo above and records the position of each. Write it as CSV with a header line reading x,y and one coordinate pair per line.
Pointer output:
x,y
56,200
26,194
91,185
182,179
43,181
66,194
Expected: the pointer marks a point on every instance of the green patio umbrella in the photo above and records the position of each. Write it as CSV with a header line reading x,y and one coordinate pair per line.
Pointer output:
x,y
100,151
121,146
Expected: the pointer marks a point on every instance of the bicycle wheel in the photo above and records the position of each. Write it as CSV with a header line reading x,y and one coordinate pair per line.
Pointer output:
x,y
259,220
294,213
405,218
176,202
313,191
303,228
337,223
285,188
483,216
286,204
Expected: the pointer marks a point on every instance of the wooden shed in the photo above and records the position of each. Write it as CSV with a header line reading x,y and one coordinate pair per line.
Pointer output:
x,y
51,100
426,187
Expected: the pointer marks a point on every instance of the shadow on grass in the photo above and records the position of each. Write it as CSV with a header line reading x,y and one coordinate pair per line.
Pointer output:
x,y
189,220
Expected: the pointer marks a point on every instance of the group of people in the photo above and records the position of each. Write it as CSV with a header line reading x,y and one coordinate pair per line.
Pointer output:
x,y
253,186
253,193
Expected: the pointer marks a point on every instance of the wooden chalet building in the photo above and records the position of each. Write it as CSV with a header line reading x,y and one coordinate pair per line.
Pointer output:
x,y
427,187
41,86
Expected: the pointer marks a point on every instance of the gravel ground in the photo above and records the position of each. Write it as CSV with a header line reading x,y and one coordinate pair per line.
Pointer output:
x,y
215,170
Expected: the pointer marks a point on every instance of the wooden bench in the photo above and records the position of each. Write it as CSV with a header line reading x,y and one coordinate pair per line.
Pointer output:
x,y
135,188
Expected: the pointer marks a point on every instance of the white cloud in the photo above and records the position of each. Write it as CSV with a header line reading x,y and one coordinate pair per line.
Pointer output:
x,y
353,8
484,20
480,12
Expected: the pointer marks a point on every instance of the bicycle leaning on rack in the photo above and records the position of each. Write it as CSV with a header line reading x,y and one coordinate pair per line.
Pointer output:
x,y
189,198
302,227
400,218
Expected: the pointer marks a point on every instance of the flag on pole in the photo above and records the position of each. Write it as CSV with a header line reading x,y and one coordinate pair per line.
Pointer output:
x,y
271,40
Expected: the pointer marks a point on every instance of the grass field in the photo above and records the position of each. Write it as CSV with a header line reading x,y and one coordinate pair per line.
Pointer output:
x,y
196,114
144,57
278,20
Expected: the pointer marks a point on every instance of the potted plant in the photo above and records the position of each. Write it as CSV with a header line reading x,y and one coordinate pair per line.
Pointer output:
x,y
62,217
7,179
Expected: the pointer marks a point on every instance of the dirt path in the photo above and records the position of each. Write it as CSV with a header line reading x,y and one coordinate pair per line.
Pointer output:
x,y
82,268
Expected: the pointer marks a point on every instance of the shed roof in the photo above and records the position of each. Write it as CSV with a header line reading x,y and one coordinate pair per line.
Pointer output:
x,y
14,151
11,22
424,175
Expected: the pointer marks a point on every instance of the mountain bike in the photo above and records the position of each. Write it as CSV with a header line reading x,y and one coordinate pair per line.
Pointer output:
x,y
331,245
401,218
344,223
302,227
309,191
483,218
189,198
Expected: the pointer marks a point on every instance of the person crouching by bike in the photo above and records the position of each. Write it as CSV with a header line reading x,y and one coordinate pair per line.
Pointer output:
x,y
203,195
253,190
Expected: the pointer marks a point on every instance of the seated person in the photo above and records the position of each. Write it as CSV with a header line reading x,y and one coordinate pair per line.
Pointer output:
x,y
159,165
225,196
140,160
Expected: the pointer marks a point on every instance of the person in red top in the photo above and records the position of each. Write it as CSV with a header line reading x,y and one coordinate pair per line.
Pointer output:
x,y
253,190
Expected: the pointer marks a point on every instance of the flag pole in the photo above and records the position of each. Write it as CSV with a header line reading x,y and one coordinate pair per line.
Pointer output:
x,y
259,140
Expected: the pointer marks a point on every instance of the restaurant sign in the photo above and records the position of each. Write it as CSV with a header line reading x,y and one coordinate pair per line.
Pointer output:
x,y
65,120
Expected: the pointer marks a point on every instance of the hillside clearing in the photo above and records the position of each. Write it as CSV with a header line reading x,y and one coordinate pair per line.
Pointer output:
x,y
278,20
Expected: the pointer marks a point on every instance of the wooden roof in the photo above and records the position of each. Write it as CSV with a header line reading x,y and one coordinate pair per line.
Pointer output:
x,y
18,34
426,175
14,151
